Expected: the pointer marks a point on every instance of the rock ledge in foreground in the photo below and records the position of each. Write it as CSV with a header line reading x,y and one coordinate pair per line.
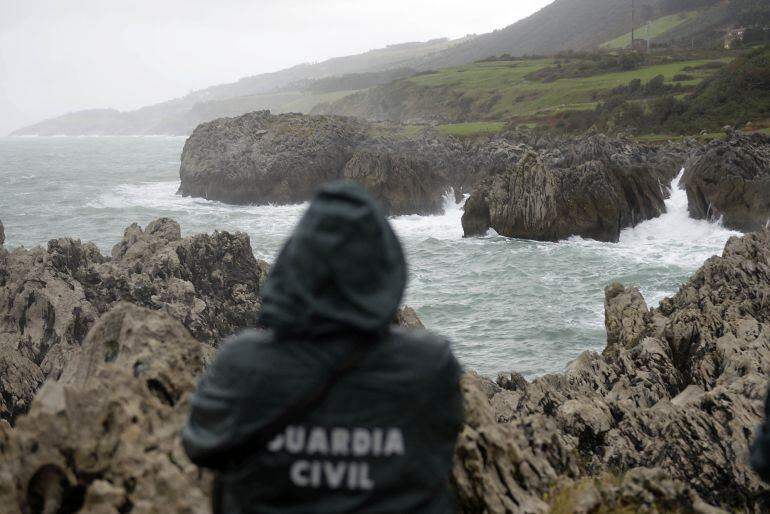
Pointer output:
x,y
677,395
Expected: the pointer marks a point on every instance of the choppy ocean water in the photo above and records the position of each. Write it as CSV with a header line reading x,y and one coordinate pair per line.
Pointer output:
x,y
506,304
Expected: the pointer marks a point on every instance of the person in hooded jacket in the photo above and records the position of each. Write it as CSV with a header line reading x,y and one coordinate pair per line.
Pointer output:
x,y
382,437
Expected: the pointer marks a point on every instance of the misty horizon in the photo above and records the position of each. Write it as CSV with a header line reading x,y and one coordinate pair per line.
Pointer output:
x,y
56,59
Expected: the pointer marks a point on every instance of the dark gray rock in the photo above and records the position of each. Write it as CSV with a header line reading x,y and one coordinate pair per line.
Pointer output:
x,y
19,380
729,178
2,233
260,158
592,186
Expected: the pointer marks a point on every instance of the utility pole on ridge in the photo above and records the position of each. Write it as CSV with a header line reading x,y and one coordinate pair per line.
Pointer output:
x,y
633,21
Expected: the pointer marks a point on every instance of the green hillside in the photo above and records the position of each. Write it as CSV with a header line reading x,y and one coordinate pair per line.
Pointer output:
x,y
530,91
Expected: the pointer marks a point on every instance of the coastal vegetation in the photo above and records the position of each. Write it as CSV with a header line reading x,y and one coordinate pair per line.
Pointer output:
x,y
670,93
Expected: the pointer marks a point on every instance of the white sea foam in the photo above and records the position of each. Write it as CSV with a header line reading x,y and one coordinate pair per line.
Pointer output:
x,y
676,227
444,226
674,238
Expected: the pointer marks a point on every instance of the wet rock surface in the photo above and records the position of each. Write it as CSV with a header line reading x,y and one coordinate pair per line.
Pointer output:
x,y
677,394
729,178
50,297
592,186
106,437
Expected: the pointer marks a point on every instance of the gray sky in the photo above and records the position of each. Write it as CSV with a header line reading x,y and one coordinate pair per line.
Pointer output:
x,y
58,56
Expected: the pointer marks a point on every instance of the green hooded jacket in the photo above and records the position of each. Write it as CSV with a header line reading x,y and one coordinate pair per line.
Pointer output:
x,y
382,440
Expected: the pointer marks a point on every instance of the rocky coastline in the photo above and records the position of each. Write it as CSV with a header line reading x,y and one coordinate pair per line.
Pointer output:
x,y
676,394
99,355
519,183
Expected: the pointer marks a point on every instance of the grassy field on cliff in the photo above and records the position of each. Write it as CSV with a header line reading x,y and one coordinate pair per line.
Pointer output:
x,y
532,90
656,95
511,88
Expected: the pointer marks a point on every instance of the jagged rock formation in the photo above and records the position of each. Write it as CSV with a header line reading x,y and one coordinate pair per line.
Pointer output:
x,y
2,233
407,318
463,162
592,186
678,392
729,178
661,420
638,490
50,297
106,437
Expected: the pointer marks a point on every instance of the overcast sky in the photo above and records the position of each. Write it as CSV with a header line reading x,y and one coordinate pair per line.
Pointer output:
x,y
58,56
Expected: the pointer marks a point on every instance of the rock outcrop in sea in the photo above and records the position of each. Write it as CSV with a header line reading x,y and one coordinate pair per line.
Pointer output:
x,y
521,184
661,420
592,186
729,179
260,158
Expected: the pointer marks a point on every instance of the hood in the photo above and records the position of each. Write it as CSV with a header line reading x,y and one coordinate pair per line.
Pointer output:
x,y
342,269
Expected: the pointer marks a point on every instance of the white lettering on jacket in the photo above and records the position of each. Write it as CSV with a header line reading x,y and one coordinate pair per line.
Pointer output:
x,y
354,475
336,442
340,442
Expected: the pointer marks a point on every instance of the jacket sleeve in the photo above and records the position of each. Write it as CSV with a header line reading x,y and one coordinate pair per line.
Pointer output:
x,y
215,423
760,448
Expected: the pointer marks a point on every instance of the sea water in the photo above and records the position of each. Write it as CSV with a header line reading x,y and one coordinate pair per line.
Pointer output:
x,y
506,304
